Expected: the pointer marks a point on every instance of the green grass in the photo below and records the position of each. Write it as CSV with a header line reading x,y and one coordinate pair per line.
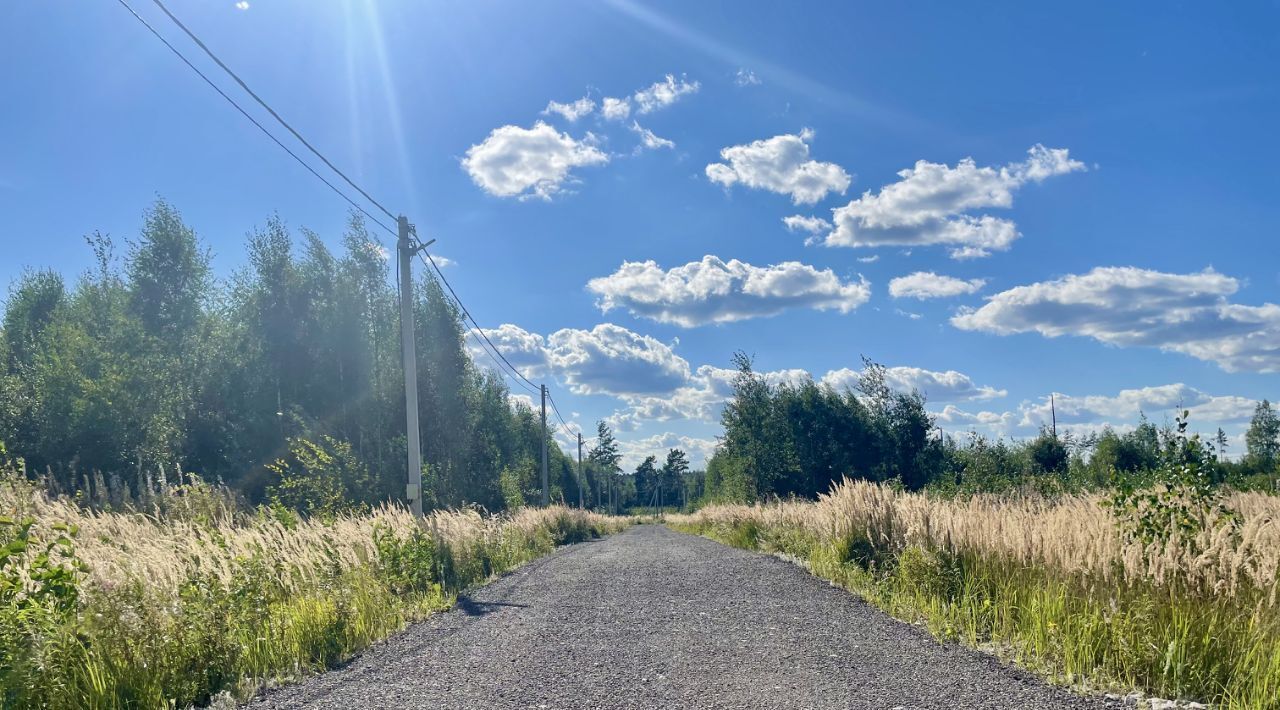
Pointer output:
x,y
1070,629
72,645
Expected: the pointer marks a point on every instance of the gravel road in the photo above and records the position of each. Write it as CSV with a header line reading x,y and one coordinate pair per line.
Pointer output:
x,y
650,618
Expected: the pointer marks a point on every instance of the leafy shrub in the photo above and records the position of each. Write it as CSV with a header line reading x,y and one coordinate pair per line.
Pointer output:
x,y
39,598
1184,501
321,478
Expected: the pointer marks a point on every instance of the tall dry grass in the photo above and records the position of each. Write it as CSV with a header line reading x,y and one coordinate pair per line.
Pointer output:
x,y
1056,583
147,610
1071,534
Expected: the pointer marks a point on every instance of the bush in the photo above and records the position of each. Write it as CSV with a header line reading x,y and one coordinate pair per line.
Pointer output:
x,y
321,478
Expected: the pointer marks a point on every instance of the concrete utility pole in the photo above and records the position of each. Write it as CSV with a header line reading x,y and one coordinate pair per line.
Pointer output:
x,y
406,251
579,470
546,490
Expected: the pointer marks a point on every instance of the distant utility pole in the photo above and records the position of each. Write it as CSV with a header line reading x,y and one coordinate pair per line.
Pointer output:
x,y
546,491
1053,412
579,470
407,250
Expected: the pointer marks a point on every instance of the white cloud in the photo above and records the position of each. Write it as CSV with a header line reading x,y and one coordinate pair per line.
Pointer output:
x,y
526,351
926,284
571,111
242,5
1130,403
809,225
956,420
1126,306
663,94
715,291
869,259
1089,414
929,205
615,109
520,399
608,359
648,139
746,77
528,162
780,164
947,386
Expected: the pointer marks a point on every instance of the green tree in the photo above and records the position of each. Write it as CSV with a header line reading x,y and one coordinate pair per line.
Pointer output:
x,y
1262,439
1048,453
671,478
646,480
605,459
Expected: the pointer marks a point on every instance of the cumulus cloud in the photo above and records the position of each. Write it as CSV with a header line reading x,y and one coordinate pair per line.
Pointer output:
x,y
519,399
1086,414
1130,403
648,139
608,359
615,109
780,164
926,284
526,351
528,162
746,77
812,226
570,111
952,417
663,94
932,201
715,291
946,386
1126,306
647,100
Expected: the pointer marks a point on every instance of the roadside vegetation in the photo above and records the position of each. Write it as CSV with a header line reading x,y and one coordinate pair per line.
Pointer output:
x,y
190,595
1138,560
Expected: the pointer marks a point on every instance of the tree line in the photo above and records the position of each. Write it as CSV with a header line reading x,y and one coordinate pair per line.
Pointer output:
x,y
282,381
797,439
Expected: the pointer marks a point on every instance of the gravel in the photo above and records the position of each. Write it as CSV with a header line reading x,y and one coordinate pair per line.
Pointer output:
x,y
651,618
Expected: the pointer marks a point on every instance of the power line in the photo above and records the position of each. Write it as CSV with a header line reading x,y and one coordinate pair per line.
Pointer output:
x,y
556,409
492,349
498,365
270,110
253,120
469,317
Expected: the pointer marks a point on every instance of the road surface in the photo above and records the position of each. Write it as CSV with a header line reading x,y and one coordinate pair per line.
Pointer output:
x,y
651,618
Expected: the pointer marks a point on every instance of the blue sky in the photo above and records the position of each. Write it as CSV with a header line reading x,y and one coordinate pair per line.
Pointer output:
x,y
1074,174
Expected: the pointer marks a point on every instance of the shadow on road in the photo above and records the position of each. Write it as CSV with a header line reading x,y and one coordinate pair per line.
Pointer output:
x,y
471,607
